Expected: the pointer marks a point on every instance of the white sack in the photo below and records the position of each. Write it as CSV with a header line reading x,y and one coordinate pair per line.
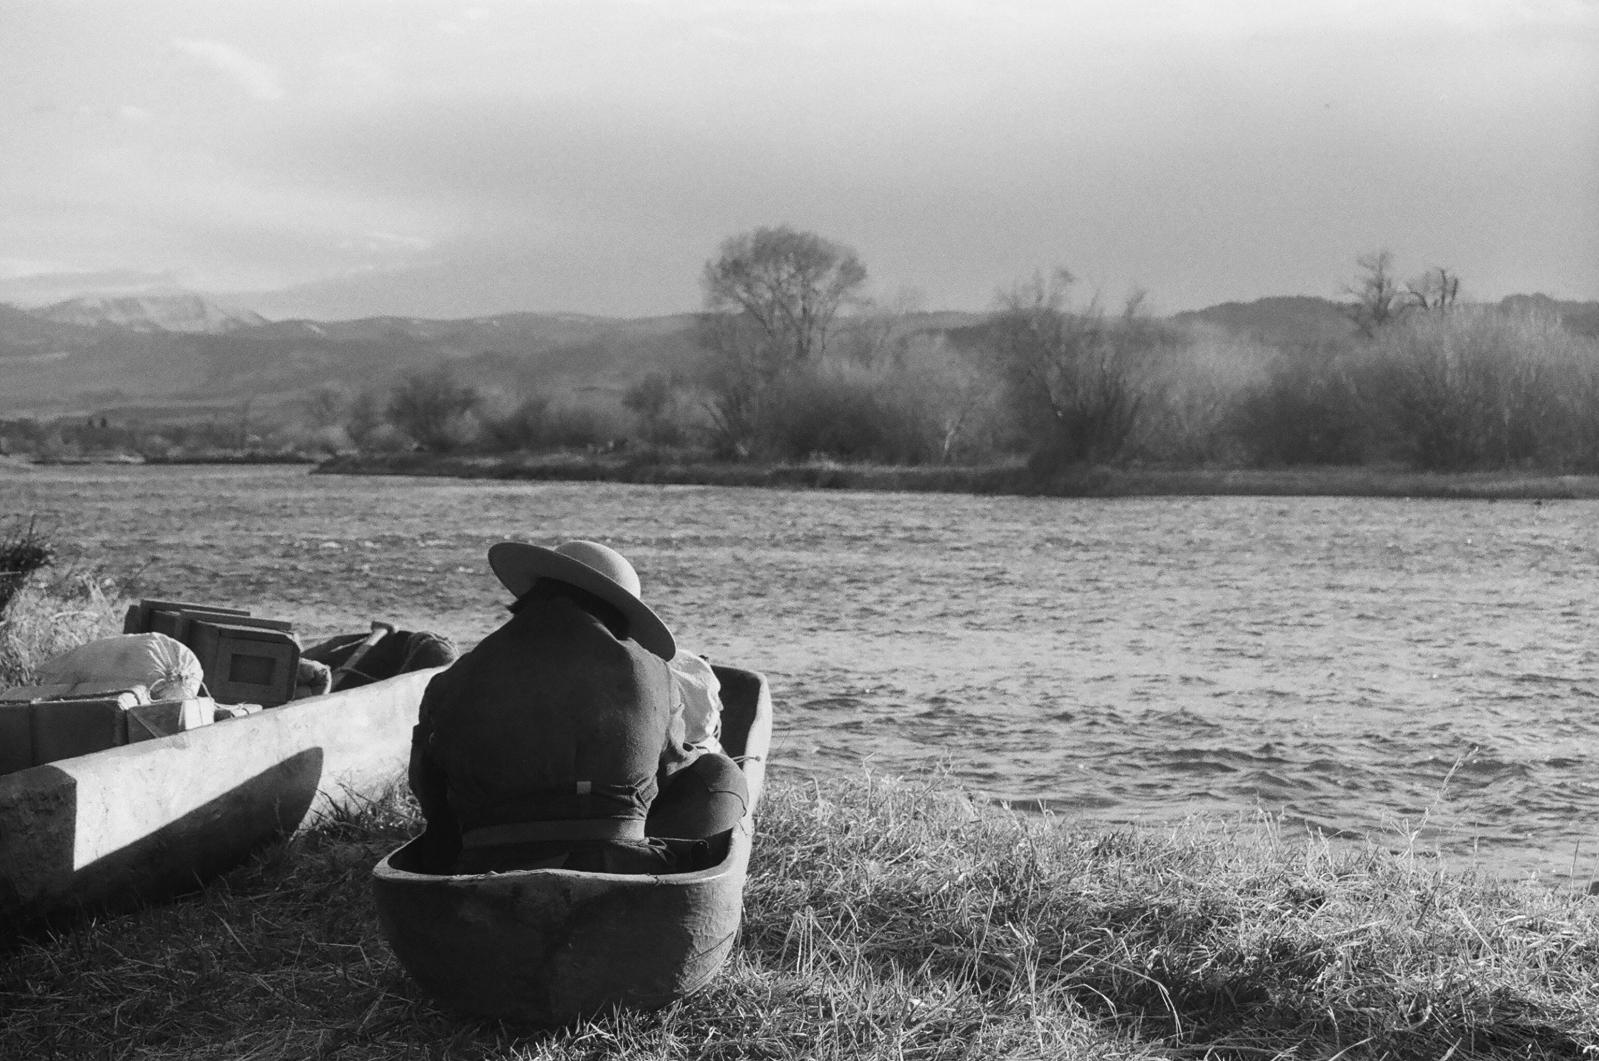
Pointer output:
x,y
700,693
164,665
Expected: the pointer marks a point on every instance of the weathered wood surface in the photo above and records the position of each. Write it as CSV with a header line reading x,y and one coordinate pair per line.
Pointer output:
x,y
549,947
145,821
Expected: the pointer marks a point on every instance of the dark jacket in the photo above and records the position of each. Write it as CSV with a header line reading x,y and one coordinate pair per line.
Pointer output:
x,y
550,718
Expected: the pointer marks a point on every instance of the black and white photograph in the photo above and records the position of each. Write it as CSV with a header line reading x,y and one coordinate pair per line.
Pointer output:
x,y
659,530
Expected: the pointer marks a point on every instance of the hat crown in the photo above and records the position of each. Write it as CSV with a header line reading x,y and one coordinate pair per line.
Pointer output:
x,y
603,559
590,566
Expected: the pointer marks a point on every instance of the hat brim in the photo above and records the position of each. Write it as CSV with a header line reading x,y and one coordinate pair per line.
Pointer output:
x,y
518,565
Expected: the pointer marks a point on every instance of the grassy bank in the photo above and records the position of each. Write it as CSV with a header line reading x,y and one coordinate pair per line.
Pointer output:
x,y
884,919
50,609
1311,481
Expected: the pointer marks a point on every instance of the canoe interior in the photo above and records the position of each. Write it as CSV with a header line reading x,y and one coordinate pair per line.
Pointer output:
x,y
143,822
549,947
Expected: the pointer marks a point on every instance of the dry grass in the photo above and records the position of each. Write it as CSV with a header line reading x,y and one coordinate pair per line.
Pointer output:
x,y
883,919
1207,943
51,612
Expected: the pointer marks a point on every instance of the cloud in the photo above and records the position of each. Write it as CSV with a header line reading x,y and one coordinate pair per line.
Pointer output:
x,y
259,80
33,283
590,154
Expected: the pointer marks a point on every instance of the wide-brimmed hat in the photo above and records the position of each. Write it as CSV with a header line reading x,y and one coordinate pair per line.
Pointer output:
x,y
589,566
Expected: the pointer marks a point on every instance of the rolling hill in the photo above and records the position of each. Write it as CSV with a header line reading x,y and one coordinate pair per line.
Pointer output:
x,y
179,355
62,361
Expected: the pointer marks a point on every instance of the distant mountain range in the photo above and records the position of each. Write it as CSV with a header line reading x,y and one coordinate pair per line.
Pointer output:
x,y
159,313
182,355
185,356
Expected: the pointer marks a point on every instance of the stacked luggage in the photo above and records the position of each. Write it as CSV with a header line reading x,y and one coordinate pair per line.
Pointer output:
x,y
179,665
176,666
245,659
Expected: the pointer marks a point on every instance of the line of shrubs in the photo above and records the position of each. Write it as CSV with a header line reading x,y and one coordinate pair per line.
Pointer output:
x,y
1474,388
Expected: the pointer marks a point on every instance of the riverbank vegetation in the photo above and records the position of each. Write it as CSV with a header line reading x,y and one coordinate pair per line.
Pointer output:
x,y
47,606
1049,392
884,918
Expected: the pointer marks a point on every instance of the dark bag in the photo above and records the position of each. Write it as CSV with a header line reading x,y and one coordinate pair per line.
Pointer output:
x,y
354,663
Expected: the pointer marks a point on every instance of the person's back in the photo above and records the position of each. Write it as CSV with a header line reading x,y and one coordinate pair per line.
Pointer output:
x,y
546,744
552,717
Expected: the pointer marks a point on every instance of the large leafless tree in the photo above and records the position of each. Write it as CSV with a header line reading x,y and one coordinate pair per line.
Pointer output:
x,y
1074,379
1378,298
773,298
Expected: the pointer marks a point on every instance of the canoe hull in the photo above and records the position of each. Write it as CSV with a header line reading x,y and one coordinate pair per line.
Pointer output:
x,y
549,947
145,821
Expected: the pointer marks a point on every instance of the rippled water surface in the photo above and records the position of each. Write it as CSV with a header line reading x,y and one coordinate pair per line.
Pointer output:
x,y
1376,668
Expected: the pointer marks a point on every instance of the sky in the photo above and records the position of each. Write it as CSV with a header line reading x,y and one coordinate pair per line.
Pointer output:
x,y
344,158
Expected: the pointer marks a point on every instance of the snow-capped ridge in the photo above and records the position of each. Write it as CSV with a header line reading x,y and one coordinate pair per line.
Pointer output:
x,y
151,313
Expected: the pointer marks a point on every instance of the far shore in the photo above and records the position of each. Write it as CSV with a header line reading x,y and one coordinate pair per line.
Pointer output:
x,y
991,479
1011,479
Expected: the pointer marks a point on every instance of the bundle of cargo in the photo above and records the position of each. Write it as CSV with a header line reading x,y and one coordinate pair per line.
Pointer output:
x,y
175,667
244,658
110,692
41,724
114,789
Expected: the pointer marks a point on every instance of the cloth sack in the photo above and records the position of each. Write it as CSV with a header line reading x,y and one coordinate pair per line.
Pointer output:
x,y
701,694
164,665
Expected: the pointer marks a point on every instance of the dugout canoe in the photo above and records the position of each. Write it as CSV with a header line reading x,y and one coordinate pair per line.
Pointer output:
x,y
146,821
549,946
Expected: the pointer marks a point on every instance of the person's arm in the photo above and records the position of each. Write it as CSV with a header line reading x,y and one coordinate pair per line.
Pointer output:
x,y
441,841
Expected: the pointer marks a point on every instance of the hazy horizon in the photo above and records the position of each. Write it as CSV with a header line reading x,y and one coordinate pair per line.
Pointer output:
x,y
230,303
335,161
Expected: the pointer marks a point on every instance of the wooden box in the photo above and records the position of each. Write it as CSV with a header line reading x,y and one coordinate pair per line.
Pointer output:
x,y
246,663
142,615
166,717
65,728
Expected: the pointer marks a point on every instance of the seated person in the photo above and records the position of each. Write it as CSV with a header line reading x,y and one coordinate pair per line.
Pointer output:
x,y
548,744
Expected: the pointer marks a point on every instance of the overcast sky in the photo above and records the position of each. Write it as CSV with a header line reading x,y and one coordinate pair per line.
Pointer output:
x,y
340,158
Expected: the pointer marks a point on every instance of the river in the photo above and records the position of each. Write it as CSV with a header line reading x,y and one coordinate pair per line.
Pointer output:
x,y
1418,674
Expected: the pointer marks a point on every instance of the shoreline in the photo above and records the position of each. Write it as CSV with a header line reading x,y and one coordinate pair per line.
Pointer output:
x,y
1011,479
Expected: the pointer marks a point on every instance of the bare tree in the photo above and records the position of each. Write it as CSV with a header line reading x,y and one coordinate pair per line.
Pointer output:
x,y
1072,377
772,300
326,405
790,285
654,399
1436,289
434,409
1476,388
1378,298
876,336
363,418
963,392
